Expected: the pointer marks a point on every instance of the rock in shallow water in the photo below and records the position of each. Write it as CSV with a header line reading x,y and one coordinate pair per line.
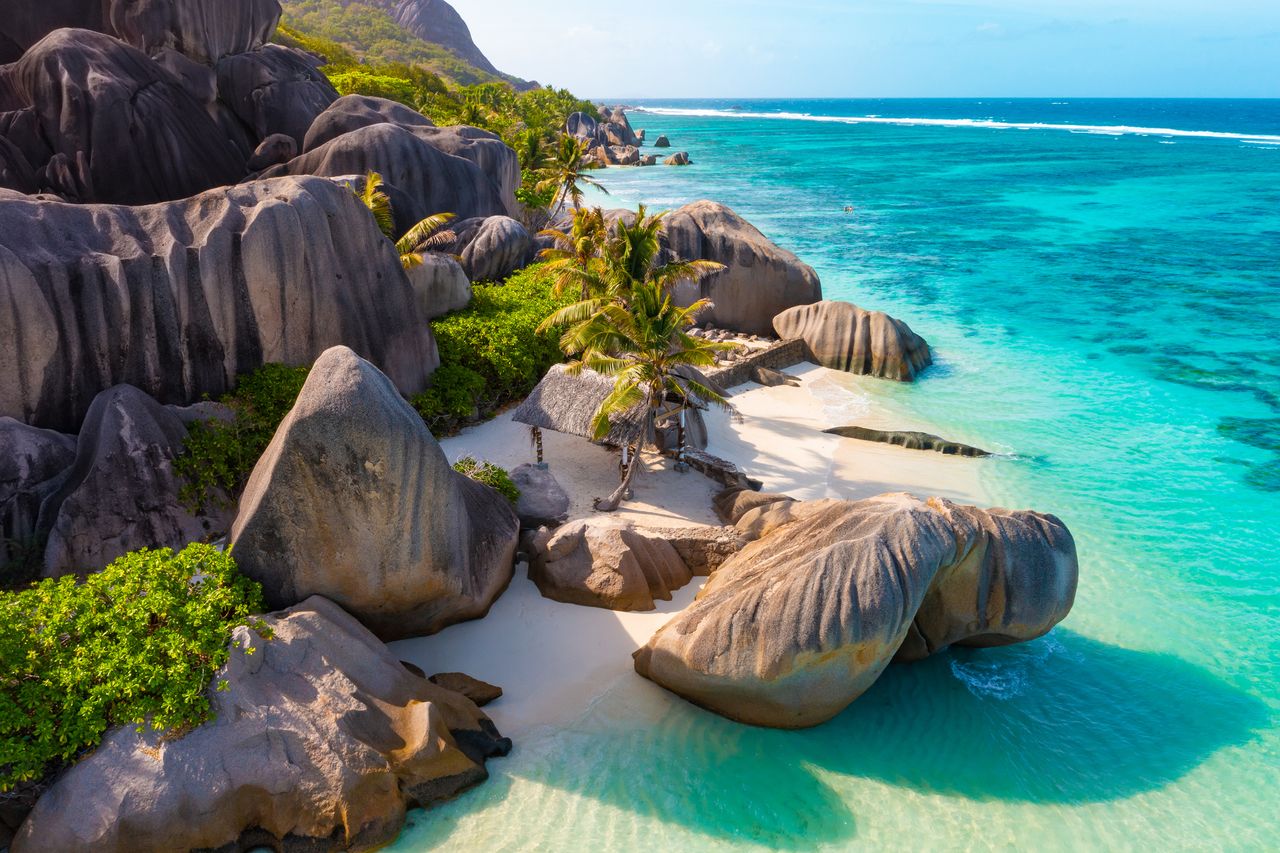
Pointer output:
x,y
355,500
802,621
842,336
909,440
321,741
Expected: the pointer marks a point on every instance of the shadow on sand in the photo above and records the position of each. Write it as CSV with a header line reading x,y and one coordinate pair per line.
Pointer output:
x,y
1065,719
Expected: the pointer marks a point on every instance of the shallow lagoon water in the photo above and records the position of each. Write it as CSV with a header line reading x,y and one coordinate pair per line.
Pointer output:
x,y
1105,310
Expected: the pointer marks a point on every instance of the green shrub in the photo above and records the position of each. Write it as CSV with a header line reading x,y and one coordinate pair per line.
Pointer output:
x,y
489,474
136,643
359,82
218,456
452,399
497,336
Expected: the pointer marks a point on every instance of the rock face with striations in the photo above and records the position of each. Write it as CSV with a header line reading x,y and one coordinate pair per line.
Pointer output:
x,y
355,500
29,459
842,336
275,89
178,298
492,248
760,280
430,180
320,741
352,112
803,620
118,126
121,493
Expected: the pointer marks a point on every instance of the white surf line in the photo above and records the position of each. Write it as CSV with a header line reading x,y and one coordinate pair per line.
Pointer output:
x,y
1113,130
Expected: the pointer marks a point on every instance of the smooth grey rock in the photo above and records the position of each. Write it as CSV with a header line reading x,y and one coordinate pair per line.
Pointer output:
x,y
274,90
179,298
582,126
662,142
352,112
121,127
797,625
909,440
439,285
275,149
543,501
760,280
356,501
842,336
492,248
121,493
320,740
29,459
430,180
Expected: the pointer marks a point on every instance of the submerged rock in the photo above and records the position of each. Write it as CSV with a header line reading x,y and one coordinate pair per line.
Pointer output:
x,y
355,500
179,298
909,440
320,740
803,620
121,493
842,336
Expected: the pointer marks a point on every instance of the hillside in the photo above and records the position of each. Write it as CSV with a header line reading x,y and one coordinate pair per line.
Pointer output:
x,y
426,33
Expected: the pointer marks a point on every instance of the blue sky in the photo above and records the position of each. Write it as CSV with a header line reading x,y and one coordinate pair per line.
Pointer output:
x,y
887,48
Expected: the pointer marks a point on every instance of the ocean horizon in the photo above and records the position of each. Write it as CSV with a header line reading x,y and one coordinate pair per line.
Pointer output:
x,y
1103,302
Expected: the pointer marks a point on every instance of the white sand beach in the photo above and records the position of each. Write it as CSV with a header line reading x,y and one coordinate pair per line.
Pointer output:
x,y
553,660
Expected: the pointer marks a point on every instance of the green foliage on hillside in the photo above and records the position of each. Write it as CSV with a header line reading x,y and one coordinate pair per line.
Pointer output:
x,y
491,352
137,643
218,456
371,35
490,475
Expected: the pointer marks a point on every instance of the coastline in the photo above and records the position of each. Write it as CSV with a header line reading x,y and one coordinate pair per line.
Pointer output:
x,y
537,649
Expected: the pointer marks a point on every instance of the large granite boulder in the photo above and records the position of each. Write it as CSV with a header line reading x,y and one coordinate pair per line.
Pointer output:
x,y
29,459
275,149
486,150
733,503
120,127
582,126
439,285
275,89
202,30
352,112
842,336
543,502
121,493
492,248
804,619
319,741
760,279
610,564
430,180
355,500
179,298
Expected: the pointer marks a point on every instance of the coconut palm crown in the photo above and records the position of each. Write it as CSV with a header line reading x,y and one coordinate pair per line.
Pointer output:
x,y
425,236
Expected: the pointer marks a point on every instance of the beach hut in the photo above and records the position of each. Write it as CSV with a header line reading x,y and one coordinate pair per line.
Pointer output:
x,y
565,403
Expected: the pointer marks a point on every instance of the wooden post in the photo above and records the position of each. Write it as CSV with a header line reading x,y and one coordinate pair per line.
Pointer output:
x,y
537,442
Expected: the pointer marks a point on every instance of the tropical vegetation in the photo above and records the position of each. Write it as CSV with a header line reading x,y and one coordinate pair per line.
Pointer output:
x,y
490,475
627,326
425,236
135,644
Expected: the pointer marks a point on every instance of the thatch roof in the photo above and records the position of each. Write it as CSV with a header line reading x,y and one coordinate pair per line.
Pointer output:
x,y
568,404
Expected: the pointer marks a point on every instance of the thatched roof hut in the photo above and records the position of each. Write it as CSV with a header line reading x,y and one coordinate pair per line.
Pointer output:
x,y
566,403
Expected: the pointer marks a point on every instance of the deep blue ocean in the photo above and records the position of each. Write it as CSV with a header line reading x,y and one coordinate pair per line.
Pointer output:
x,y
1104,306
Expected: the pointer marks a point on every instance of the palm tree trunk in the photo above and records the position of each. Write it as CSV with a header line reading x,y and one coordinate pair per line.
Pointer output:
x,y
611,503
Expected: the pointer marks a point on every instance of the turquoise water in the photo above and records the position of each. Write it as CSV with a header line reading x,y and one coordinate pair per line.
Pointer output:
x,y
1104,306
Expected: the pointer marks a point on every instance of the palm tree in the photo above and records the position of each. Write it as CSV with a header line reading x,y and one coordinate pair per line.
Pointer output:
x,y
575,258
644,345
425,236
567,173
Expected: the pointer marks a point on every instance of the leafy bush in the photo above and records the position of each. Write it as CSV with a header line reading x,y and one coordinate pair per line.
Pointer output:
x,y
218,456
452,399
489,474
136,643
359,82
497,336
